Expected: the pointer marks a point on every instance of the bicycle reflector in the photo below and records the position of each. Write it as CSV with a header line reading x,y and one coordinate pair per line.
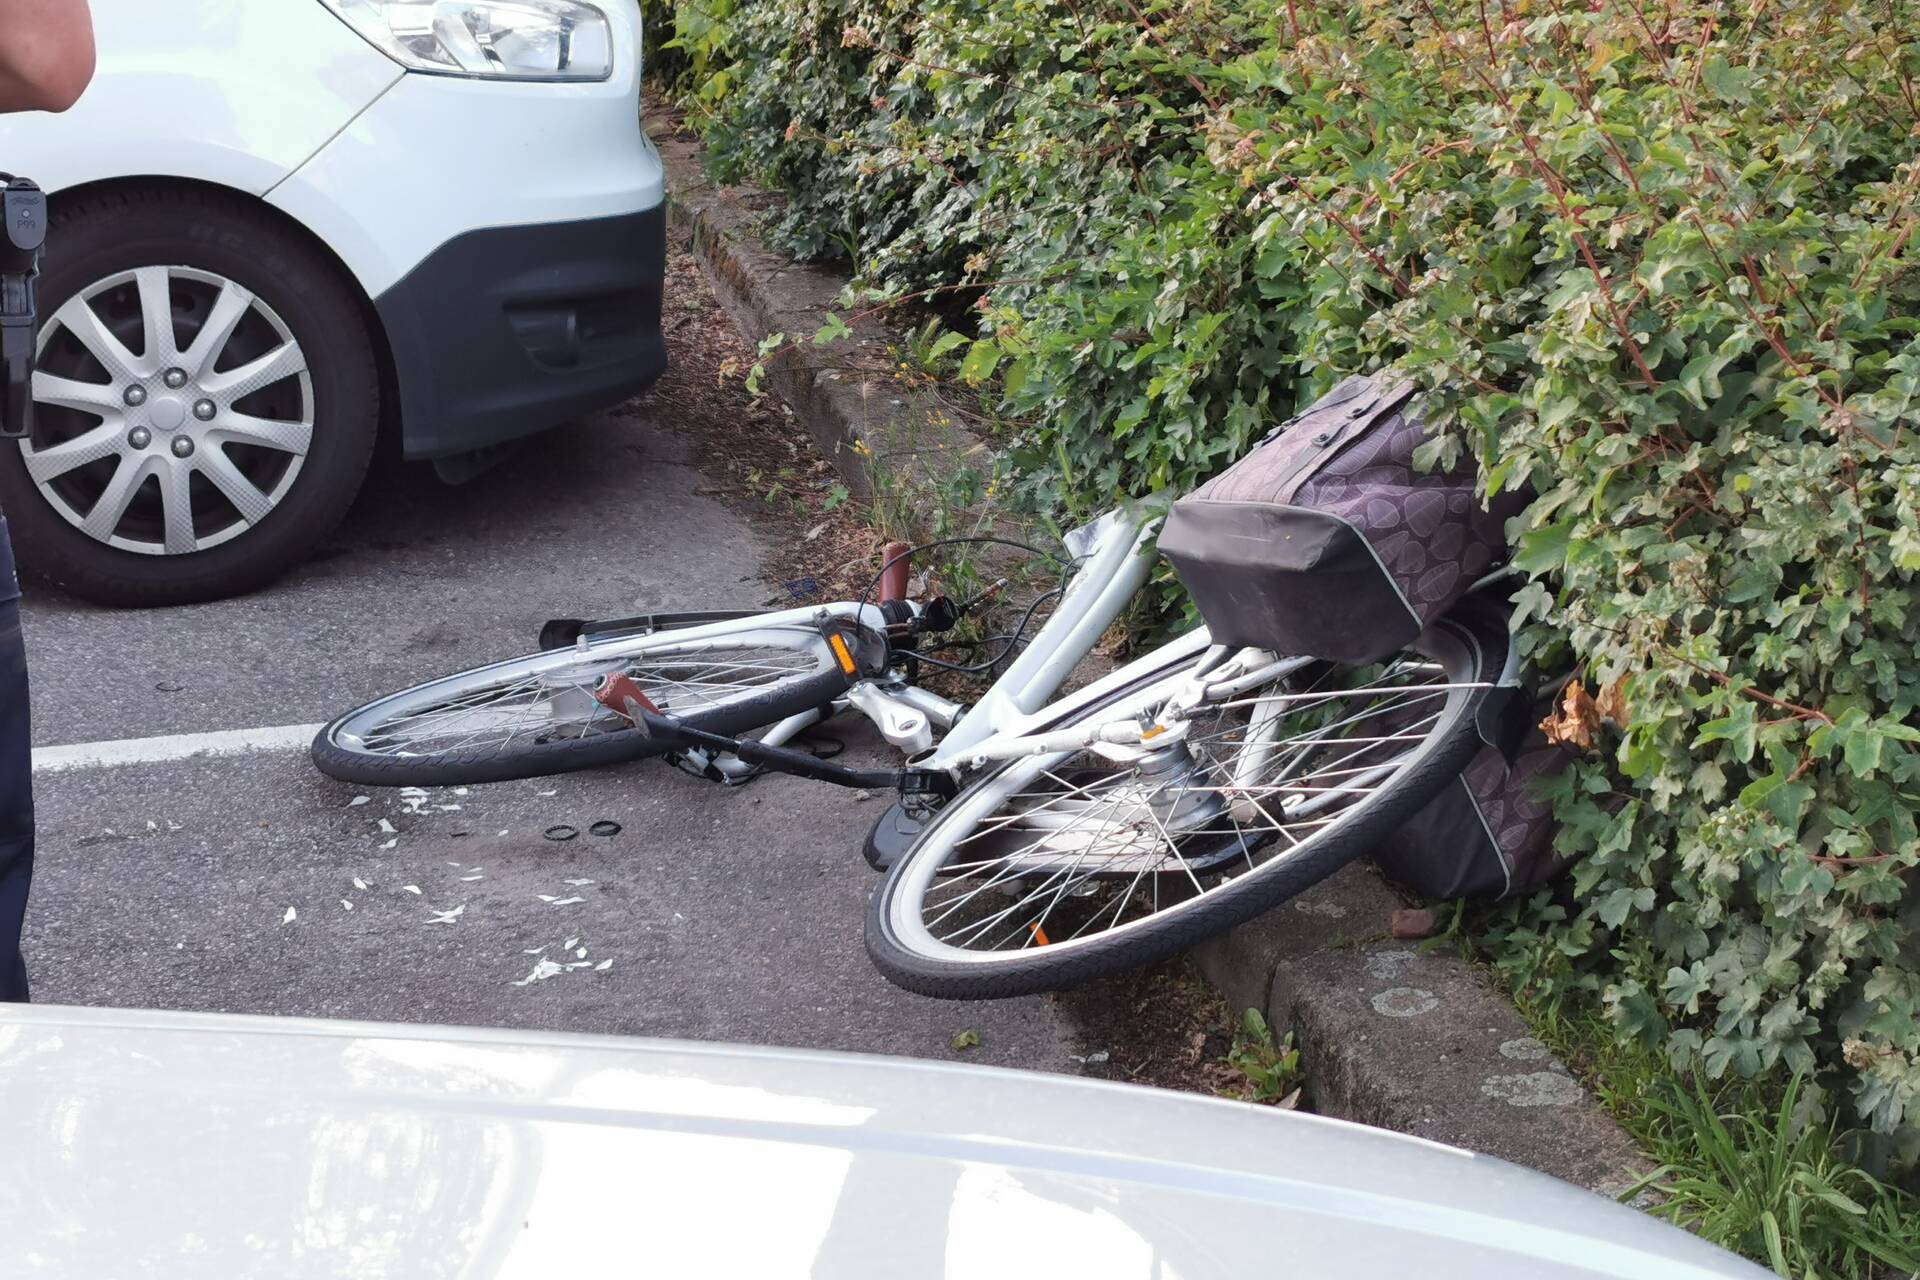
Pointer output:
x,y
23,230
838,643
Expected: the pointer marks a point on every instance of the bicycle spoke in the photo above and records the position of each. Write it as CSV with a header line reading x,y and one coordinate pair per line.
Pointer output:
x,y
1081,843
557,703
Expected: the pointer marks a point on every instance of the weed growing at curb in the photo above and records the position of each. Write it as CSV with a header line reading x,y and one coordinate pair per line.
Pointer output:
x,y
1269,1068
1749,1164
1761,1177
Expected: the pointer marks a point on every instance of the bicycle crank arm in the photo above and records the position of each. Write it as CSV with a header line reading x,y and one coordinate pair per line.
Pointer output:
x,y
673,735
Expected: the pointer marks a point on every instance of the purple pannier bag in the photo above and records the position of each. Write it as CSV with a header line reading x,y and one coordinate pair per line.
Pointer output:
x,y
1489,833
1326,540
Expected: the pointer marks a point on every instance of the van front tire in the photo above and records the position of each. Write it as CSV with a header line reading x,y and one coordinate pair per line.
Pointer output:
x,y
235,445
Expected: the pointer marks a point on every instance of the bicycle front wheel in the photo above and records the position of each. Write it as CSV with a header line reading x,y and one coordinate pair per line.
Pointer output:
x,y
1056,869
536,715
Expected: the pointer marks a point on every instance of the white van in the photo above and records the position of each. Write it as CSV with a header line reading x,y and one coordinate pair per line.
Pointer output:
x,y
278,225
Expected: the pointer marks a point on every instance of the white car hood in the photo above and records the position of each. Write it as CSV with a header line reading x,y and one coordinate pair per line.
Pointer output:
x,y
160,1144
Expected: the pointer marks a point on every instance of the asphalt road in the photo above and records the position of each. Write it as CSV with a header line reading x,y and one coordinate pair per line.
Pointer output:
x,y
725,914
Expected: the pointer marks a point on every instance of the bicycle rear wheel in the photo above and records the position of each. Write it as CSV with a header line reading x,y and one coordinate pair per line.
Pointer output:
x,y
536,715
1056,869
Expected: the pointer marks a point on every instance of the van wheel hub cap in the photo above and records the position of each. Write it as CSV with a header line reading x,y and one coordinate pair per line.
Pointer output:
x,y
173,410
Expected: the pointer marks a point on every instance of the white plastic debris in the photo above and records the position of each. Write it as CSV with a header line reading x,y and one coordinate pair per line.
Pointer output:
x,y
357,801
472,878
459,791
358,883
448,808
152,825
576,883
548,793
570,944
413,791
410,888
503,831
387,828
290,917
345,903
542,970
603,966
389,844
562,902
446,917
536,951
580,954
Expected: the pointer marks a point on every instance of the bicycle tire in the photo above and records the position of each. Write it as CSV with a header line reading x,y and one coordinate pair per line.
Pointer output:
x,y
344,750
1469,658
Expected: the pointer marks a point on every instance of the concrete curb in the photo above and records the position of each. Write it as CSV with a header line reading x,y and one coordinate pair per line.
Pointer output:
x,y
1390,1035
843,393
1412,1039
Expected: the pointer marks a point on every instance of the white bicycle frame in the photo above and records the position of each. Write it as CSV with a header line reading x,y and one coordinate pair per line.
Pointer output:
x,y
1113,557
1114,554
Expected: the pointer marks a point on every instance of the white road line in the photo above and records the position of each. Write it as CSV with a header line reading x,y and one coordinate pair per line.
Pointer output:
x,y
173,746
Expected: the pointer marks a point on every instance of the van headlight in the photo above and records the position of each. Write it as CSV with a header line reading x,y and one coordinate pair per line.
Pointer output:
x,y
494,39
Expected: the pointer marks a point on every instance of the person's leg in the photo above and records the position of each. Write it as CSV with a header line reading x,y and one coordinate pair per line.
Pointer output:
x,y
16,783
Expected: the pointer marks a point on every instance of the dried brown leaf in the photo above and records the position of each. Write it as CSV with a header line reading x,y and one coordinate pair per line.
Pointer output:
x,y
1611,705
1572,723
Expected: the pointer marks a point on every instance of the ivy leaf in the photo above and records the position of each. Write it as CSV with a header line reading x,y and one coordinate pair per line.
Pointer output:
x,y
1726,81
1616,906
832,331
1544,550
944,343
982,357
1739,731
1860,741
1699,380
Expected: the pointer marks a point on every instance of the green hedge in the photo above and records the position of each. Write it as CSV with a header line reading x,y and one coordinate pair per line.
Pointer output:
x,y
1656,263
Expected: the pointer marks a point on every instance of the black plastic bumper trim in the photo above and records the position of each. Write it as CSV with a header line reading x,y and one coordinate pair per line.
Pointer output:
x,y
506,331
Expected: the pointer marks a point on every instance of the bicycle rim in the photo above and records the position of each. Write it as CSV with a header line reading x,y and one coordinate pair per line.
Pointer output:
x,y
1058,868
537,714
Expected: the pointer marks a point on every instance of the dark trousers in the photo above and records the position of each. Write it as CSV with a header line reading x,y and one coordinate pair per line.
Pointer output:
x,y
16,782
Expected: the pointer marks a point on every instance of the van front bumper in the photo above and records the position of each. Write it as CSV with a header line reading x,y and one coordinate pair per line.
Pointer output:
x,y
506,331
